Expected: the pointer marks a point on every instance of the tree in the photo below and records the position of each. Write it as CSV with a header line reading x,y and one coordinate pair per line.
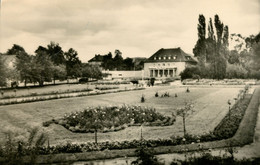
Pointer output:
x,y
118,59
128,64
73,64
15,50
41,49
24,66
43,68
200,48
108,62
56,53
225,42
3,73
59,72
184,112
91,71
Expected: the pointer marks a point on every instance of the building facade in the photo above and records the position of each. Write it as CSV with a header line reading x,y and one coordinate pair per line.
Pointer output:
x,y
167,63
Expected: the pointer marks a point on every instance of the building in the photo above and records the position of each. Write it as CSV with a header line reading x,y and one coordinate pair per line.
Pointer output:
x,y
167,63
97,60
138,74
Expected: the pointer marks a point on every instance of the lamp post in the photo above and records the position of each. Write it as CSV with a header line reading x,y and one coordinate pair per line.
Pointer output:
x,y
229,103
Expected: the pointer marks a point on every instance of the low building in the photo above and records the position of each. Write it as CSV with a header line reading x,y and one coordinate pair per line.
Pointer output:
x,y
123,74
167,63
97,60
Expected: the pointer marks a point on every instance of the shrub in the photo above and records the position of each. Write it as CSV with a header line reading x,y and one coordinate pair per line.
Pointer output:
x,y
189,72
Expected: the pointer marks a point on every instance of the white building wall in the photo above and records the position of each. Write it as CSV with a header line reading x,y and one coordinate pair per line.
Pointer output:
x,y
125,74
180,66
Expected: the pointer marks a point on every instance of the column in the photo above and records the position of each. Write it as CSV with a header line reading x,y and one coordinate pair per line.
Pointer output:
x,y
163,73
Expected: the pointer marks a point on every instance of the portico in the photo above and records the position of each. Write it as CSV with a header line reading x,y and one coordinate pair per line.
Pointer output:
x,y
163,72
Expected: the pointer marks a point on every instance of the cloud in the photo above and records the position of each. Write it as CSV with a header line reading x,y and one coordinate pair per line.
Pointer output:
x,y
136,27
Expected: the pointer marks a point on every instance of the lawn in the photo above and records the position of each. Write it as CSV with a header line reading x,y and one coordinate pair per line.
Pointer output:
x,y
210,107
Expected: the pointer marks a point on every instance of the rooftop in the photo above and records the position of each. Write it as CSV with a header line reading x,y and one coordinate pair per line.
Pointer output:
x,y
171,55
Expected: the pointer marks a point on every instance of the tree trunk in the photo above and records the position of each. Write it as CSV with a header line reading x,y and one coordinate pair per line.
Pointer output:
x,y
54,80
41,83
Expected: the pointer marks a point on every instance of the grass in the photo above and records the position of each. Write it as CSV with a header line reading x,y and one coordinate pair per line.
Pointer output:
x,y
210,107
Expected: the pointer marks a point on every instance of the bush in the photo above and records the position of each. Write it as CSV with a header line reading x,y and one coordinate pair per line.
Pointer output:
x,y
236,71
189,72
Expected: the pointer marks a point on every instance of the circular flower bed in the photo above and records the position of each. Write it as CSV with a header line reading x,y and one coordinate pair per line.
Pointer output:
x,y
112,118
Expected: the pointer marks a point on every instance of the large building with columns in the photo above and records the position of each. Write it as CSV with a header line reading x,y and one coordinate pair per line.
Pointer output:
x,y
167,63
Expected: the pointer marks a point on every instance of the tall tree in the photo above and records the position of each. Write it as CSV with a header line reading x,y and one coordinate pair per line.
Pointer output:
x,y
219,29
118,59
225,39
56,53
219,60
24,66
59,72
41,49
210,42
15,50
73,64
128,64
200,47
108,62
43,68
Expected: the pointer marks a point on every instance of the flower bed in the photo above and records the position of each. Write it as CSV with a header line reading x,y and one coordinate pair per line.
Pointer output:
x,y
113,118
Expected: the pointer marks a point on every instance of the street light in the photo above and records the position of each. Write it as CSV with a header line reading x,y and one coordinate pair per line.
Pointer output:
x,y
229,103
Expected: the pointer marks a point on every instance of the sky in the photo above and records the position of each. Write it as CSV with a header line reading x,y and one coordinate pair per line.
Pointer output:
x,y
138,28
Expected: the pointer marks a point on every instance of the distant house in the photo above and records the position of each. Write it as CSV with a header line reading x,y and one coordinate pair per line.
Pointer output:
x,y
167,63
97,60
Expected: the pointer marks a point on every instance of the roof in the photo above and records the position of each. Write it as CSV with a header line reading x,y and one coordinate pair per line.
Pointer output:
x,y
97,58
171,55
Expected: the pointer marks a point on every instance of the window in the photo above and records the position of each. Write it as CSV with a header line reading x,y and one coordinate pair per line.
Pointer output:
x,y
163,64
169,57
174,57
159,58
187,57
154,58
164,57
